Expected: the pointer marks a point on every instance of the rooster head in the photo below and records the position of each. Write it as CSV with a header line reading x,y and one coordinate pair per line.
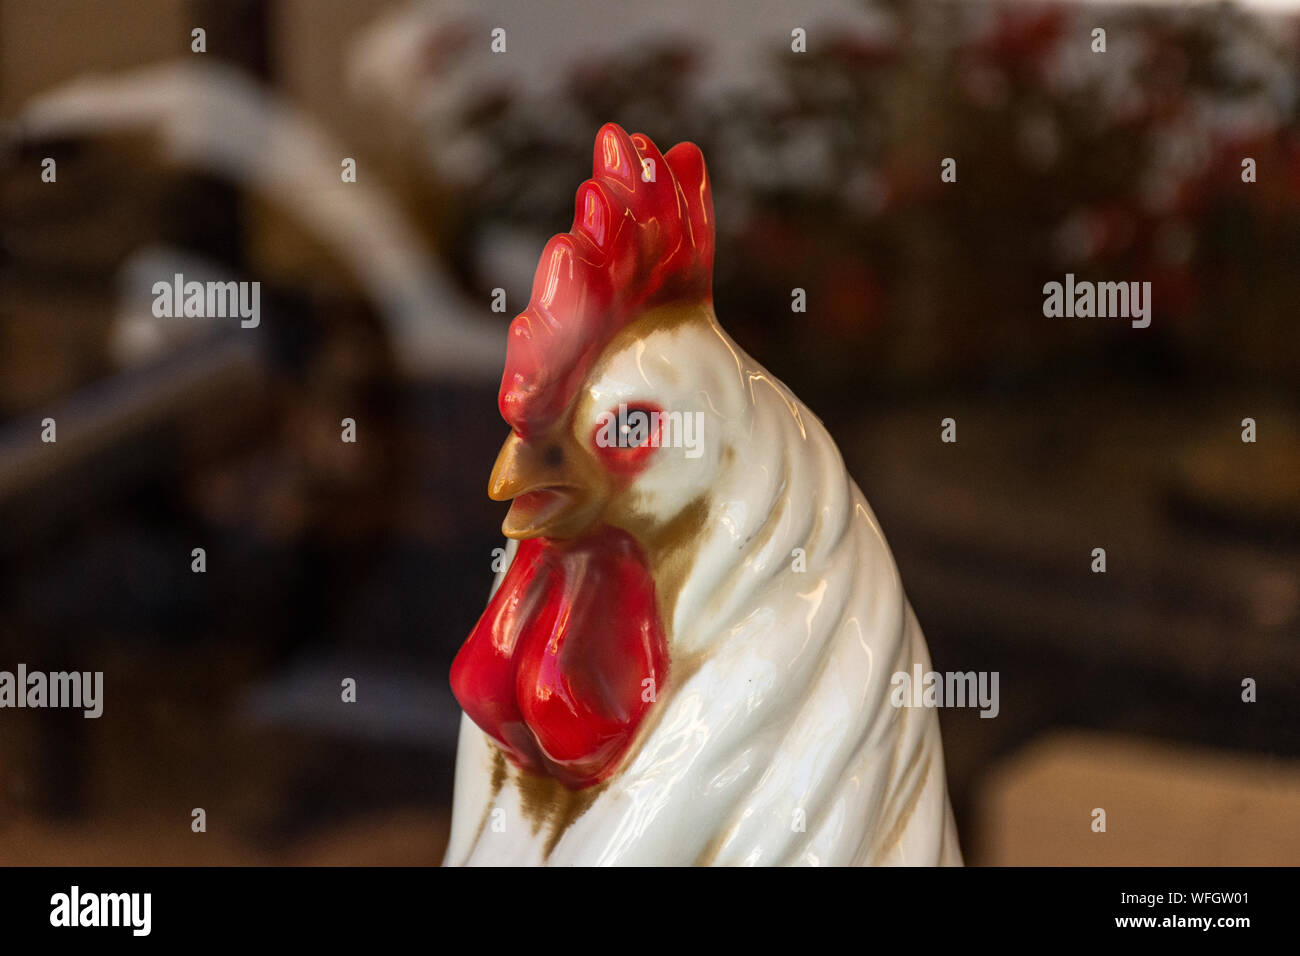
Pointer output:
x,y
612,449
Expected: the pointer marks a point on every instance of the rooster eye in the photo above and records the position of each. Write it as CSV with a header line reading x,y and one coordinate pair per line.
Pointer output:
x,y
633,426
626,436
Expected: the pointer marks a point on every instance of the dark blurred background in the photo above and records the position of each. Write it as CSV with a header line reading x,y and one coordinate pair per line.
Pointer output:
x,y
371,560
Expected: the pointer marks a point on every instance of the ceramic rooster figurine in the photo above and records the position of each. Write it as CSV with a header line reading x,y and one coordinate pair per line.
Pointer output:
x,y
688,657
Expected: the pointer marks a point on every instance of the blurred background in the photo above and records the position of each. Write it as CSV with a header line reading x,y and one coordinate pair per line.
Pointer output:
x,y
371,560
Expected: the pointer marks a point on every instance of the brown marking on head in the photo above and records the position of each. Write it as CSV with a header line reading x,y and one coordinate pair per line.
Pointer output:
x,y
498,769
545,801
497,780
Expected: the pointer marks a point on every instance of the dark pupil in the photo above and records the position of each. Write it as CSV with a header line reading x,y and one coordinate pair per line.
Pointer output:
x,y
633,428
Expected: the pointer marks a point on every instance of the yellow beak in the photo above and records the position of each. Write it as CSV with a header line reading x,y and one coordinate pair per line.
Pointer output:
x,y
555,493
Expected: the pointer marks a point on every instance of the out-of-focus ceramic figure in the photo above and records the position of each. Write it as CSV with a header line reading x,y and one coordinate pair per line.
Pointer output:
x,y
689,656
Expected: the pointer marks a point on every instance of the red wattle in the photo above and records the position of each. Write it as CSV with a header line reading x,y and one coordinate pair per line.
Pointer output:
x,y
568,657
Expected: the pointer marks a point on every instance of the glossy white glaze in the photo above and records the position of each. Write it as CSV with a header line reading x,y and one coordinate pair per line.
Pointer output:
x,y
774,741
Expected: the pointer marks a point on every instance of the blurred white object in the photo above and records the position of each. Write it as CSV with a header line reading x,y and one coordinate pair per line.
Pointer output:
x,y
137,336
214,118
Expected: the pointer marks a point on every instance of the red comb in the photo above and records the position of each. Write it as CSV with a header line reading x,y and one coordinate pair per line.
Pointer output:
x,y
642,236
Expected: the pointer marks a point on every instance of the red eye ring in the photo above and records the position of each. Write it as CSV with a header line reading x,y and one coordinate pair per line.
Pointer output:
x,y
625,437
